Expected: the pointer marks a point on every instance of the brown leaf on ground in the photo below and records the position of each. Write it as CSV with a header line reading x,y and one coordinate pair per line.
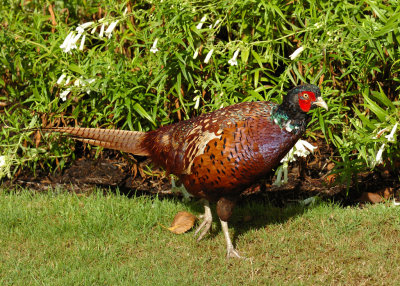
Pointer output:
x,y
183,221
379,196
330,179
368,197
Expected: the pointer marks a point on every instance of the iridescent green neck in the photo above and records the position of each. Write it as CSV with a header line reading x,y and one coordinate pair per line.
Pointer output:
x,y
283,120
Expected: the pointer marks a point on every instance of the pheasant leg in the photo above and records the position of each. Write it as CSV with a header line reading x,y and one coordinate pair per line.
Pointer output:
x,y
205,226
231,251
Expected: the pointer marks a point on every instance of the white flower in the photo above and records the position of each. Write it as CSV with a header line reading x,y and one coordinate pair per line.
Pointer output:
x,y
200,25
196,53
318,25
154,47
2,161
67,39
378,158
61,78
63,95
76,38
80,82
390,137
81,28
216,23
68,80
197,99
101,31
125,11
111,28
296,53
70,42
233,61
82,43
90,80
93,30
208,56
301,149
86,25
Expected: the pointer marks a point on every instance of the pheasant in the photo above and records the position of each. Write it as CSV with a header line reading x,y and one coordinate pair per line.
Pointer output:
x,y
219,154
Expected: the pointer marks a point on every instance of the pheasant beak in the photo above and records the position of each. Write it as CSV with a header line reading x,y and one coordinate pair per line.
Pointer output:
x,y
321,103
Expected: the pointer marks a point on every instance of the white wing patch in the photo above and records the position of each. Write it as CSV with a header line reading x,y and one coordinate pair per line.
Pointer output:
x,y
197,145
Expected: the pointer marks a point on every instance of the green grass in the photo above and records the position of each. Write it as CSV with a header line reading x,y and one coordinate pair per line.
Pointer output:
x,y
65,239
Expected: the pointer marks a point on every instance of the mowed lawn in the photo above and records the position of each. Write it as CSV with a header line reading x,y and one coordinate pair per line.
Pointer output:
x,y
109,239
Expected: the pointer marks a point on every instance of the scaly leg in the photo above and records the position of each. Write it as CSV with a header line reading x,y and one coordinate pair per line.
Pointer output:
x,y
231,251
205,226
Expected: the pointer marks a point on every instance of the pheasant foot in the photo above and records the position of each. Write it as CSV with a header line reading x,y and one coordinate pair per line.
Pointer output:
x,y
205,226
231,251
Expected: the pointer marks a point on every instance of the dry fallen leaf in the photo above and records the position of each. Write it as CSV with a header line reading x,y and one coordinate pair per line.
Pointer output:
x,y
183,221
367,197
330,179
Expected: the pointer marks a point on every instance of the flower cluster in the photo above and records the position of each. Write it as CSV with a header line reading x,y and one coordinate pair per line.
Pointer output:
x,y
199,26
233,60
390,138
78,83
106,29
301,149
70,42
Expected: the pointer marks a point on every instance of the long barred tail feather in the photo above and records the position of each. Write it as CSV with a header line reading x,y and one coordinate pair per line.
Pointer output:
x,y
122,140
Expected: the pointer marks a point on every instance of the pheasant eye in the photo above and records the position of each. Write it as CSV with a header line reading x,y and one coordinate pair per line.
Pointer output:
x,y
307,95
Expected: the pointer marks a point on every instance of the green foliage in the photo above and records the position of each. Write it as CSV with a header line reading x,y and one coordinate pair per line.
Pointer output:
x,y
350,49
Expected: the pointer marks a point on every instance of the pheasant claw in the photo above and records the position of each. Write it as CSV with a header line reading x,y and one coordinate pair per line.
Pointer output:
x,y
231,251
205,226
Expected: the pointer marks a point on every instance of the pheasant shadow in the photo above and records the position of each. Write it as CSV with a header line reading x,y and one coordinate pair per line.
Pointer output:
x,y
256,217
250,214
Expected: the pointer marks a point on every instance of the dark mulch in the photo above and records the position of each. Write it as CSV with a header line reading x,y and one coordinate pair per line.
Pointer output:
x,y
307,177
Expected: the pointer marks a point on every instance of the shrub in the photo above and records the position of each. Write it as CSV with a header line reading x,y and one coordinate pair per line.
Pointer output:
x,y
170,60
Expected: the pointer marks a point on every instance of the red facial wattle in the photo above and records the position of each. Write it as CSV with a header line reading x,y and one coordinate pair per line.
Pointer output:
x,y
305,100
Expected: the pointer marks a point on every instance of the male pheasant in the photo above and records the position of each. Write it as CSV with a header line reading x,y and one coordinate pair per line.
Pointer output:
x,y
219,154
